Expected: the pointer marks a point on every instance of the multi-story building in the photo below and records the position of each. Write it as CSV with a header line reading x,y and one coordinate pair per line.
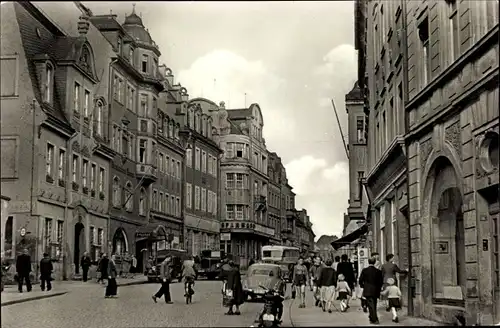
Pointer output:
x,y
202,189
305,234
275,171
449,88
54,92
245,226
289,225
146,212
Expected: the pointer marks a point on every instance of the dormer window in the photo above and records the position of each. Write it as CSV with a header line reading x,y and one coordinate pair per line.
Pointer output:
x,y
49,85
144,65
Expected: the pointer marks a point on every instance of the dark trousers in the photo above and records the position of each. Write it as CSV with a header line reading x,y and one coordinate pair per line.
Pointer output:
x,y
363,303
24,277
371,302
45,278
164,291
111,288
85,270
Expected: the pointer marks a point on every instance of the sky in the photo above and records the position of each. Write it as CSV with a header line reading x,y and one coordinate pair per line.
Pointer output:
x,y
289,57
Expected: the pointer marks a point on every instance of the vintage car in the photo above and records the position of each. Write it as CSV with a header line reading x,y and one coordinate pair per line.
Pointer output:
x,y
210,263
258,274
178,257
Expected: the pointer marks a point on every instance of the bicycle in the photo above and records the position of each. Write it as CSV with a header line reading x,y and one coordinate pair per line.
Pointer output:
x,y
188,290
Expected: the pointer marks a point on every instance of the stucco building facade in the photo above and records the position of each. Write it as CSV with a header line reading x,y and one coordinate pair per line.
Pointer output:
x,y
449,156
62,165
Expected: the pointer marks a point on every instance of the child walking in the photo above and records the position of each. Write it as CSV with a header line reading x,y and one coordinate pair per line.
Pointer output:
x,y
393,294
343,291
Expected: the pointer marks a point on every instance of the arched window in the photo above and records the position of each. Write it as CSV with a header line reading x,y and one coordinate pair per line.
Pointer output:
x,y
120,244
49,83
142,202
129,205
116,192
170,129
191,118
99,117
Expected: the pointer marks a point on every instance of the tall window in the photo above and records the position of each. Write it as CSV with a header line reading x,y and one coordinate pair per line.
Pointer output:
x,y
189,195
49,160
203,199
61,164
196,198
86,107
423,34
100,117
209,164
178,165
230,212
131,55
142,202
76,98
142,151
178,206
203,161
382,232
85,170
214,207
155,199
172,166
230,180
167,201
197,158
129,200
239,212
454,31
144,64
239,180
93,176
361,175
74,169
116,192
172,205
49,75
209,201
216,167
360,129
47,233
143,108
101,180
189,157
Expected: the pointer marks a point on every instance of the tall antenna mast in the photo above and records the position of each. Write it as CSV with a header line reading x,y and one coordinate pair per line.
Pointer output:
x,y
340,129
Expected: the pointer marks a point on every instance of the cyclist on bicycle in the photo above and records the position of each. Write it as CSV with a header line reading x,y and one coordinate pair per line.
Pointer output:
x,y
188,275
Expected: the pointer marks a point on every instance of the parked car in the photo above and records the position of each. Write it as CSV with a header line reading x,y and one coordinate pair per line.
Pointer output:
x,y
210,264
178,257
258,275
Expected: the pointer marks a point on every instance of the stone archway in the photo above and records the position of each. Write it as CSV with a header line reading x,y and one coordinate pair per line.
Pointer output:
x,y
443,210
120,242
79,248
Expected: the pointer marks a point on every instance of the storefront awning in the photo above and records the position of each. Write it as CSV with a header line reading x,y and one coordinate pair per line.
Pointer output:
x,y
151,232
348,239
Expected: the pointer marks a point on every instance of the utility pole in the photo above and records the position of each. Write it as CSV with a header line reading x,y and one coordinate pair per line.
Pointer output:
x,y
340,129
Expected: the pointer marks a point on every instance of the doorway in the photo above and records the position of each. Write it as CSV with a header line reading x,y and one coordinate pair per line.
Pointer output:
x,y
79,245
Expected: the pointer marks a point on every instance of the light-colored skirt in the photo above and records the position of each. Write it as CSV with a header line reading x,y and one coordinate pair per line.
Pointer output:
x,y
328,293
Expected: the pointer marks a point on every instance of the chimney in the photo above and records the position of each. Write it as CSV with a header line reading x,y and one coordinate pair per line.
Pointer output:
x,y
83,25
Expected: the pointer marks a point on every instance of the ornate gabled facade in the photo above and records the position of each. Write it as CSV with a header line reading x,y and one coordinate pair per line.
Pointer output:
x,y
143,220
64,162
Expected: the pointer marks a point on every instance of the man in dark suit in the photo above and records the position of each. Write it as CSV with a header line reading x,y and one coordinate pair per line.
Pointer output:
x,y
371,280
23,269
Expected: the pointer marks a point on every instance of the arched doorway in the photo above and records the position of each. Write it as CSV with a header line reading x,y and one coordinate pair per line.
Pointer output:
x,y
447,234
120,242
79,248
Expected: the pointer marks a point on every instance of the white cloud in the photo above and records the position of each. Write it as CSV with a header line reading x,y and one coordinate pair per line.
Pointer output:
x,y
321,189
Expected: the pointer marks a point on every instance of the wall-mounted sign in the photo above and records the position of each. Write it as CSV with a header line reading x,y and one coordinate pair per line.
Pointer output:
x,y
441,247
225,236
23,232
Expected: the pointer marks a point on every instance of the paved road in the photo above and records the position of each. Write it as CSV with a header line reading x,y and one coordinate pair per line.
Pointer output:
x,y
134,307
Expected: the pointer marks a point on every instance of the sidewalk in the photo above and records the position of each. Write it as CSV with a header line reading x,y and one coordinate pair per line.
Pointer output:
x,y
314,316
10,295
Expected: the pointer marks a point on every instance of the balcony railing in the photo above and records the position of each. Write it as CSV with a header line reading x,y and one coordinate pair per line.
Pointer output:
x,y
147,173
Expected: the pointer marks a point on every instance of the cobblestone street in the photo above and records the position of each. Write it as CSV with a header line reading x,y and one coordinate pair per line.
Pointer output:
x,y
85,306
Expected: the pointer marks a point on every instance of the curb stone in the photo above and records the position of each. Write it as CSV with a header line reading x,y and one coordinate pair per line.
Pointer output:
x,y
33,298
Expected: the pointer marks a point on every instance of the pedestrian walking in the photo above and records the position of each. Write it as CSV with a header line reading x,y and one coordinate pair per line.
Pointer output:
x,y
344,293
371,281
327,282
112,287
346,268
314,273
300,279
85,263
165,276
233,288
102,267
389,271
133,266
23,270
393,294
46,269
336,262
